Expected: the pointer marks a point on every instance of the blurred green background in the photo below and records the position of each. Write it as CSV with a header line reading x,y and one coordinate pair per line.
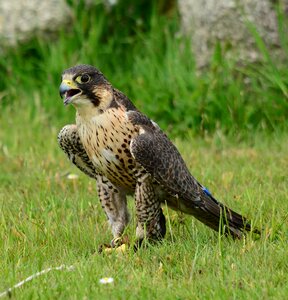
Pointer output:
x,y
228,120
139,48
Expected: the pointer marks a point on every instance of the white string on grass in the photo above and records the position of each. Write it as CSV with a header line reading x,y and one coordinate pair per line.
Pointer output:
x,y
45,271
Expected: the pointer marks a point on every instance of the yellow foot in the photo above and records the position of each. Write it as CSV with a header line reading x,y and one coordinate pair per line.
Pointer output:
x,y
120,249
117,245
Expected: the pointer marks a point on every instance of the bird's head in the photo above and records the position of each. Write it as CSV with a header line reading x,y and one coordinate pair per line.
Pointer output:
x,y
85,86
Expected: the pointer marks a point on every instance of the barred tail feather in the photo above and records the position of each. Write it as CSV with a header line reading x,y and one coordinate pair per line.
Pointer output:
x,y
219,217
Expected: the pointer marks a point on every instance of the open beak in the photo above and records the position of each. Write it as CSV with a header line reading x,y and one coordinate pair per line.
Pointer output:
x,y
68,90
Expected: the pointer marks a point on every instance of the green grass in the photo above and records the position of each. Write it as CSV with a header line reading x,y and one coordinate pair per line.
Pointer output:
x,y
229,122
47,220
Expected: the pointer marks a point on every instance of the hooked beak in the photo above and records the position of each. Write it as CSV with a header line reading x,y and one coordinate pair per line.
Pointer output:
x,y
68,90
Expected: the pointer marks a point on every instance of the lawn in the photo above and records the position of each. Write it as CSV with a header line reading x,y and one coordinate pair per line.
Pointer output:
x,y
229,121
48,220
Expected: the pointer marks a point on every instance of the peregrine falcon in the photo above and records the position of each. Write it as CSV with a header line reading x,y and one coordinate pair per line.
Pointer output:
x,y
127,153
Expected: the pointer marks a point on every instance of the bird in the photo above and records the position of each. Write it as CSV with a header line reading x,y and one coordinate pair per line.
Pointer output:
x,y
127,153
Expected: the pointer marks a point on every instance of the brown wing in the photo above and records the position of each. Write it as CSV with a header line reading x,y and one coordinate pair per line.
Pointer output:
x,y
155,152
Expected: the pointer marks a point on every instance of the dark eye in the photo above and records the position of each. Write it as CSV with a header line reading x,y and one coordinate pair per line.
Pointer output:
x,y
84,78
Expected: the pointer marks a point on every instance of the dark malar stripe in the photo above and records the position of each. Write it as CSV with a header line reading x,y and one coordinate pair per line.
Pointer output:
x,y
93,98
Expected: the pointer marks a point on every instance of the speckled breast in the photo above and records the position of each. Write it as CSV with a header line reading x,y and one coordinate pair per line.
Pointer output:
x,y
106,138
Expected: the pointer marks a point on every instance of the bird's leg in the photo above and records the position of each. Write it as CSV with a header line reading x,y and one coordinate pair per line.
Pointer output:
x,y
150,218
69,142
114,203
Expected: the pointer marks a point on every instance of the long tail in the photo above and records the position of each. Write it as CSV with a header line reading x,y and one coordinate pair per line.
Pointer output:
x,y
219,217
